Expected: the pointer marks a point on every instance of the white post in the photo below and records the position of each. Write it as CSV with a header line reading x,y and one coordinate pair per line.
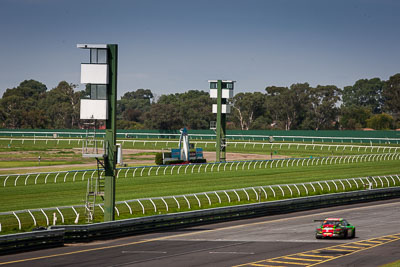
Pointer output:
x,y
19,222
320,186
312,186
237,195
244,165
16,179
186,168
247,195
283,193
156,171
166,205
273,191
229,199
333,181
154,205
291,192
255,193
45,179
140,203
198,200
62,216
133,174
45,215
148,173
54,218
36,177
33,217
187,201
219,199
83,176
305,189
179,206
298,191
265,193
344,188
329,188
209,200
77,215
192,167
73,179
129,207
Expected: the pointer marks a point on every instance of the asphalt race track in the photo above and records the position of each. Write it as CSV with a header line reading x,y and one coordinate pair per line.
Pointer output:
x,y
282,240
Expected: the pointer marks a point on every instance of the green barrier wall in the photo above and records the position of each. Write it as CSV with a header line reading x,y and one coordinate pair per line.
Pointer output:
x,y
256,135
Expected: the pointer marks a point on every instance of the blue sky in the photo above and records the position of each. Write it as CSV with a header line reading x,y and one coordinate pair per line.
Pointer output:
x,y
177,45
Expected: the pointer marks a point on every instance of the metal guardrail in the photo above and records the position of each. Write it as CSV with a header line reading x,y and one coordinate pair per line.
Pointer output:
x,y
58,235
200,200
31,240
155,170
79,233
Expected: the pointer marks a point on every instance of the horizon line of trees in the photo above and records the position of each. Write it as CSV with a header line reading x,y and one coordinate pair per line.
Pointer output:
x,y
369,103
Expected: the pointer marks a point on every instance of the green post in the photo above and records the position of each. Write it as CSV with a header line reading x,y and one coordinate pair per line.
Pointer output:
x,y
110,160
221,125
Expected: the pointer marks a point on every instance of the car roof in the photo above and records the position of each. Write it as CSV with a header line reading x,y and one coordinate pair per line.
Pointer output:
x,y
334,219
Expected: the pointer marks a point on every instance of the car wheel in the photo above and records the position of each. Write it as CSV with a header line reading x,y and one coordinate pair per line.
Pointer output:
x,y
318,237
345,234
353,234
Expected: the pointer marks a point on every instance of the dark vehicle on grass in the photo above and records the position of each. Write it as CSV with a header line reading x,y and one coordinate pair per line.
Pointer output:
x,y
335,227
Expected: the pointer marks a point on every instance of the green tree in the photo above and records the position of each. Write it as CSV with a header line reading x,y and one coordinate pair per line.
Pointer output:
x,y
195,109
354,117
2,117
391,95
62,106
322,110
132,106
123,124
288,106
364,93
247,108
19,104
380,122
192,108
163,117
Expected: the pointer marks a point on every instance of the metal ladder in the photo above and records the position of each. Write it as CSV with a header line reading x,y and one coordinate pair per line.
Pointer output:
x,y
90,144
95,188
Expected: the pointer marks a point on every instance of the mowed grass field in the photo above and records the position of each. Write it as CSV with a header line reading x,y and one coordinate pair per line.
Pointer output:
x,y
20,153
73,193
21,156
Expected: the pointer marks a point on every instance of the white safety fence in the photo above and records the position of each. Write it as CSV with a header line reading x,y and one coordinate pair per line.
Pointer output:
x,y
126,143
131,172
155,205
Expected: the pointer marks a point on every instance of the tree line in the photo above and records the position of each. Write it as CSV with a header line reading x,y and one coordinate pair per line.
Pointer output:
x,y
369,103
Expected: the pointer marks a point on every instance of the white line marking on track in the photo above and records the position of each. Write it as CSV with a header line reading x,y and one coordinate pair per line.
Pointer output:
x,y
144,252
231,252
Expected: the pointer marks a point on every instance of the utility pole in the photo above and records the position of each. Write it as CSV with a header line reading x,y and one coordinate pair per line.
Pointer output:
x,y
110,161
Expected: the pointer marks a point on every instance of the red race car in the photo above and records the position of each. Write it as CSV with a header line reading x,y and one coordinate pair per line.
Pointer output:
x,y
335,227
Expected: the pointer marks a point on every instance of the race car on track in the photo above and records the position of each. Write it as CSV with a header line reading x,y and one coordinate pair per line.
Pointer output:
x,y
335,227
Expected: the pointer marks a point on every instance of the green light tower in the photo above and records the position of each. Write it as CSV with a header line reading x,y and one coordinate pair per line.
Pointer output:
x,y
222,90
101,74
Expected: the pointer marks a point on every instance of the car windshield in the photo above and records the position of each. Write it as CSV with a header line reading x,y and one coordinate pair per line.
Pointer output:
x,y
335,223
